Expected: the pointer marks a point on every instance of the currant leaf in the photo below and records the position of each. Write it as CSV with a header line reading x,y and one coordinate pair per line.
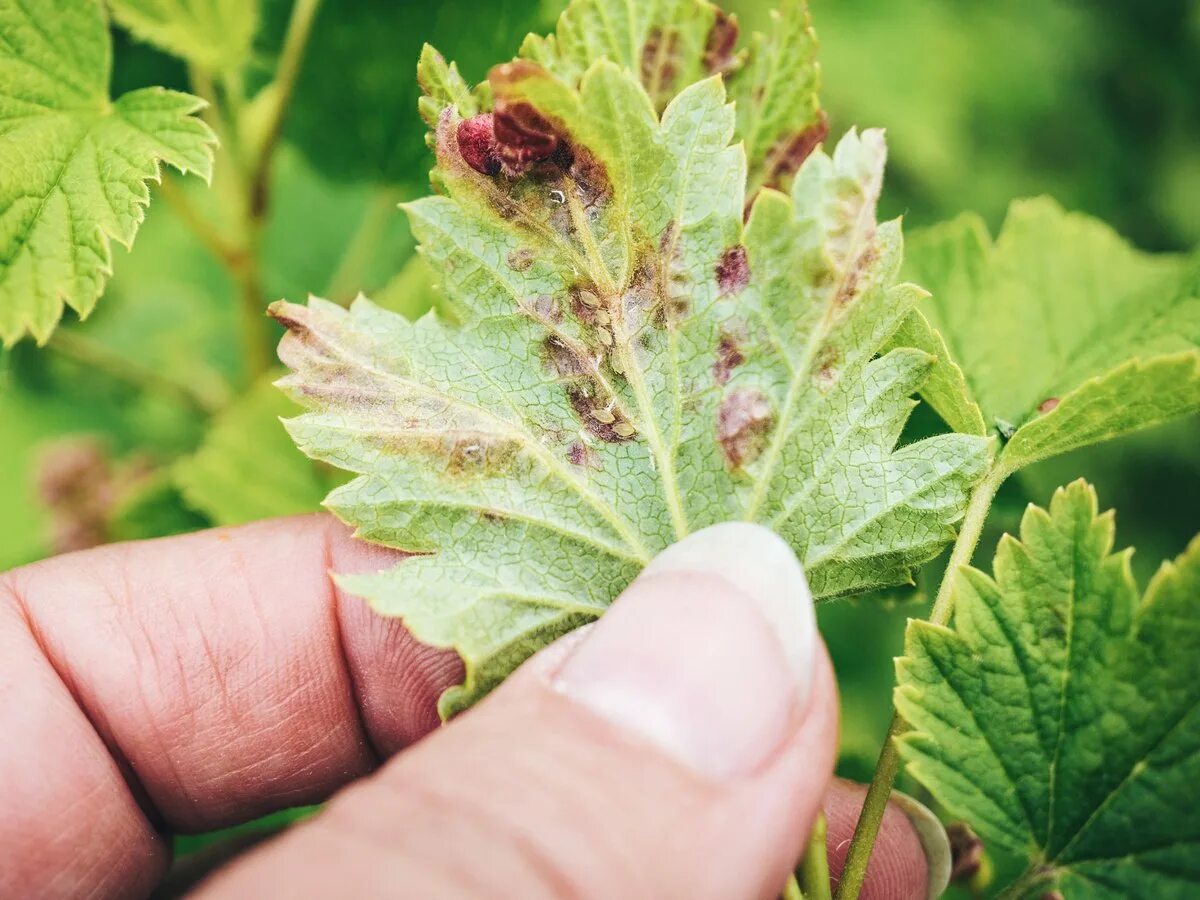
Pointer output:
x,y
73,163
1061,714
631,361
1067,335
780,119
214,34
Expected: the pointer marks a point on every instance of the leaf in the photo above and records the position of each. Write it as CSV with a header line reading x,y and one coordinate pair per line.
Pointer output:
x,y
214,34
946,389
73,164
247,468
1061,715
670,44
779,116
1067,335
633,363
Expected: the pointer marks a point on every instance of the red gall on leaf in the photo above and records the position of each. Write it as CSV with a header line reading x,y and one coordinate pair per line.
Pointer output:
x,y
477,144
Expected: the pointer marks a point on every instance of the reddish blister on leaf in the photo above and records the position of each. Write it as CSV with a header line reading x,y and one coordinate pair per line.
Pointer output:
x,y
477,144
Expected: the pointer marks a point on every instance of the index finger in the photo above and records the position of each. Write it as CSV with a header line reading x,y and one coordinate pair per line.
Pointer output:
x,y
188,683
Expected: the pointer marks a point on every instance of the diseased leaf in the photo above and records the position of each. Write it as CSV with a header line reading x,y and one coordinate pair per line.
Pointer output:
x,y
670,44
1067,335
214,34
1061,715
632,362
73,163
779,116
247,469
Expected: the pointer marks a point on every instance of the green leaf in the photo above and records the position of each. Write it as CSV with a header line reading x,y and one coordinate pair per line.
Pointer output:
x,y
779,116
1067,335
213,34
946,390
1061,715
247,468
73,164
633,363
668,44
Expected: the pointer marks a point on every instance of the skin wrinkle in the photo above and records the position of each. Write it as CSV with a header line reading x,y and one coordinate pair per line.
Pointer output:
x,y
387,693
318,758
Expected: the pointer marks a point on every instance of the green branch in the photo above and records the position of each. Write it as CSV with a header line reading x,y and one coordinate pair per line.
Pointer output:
x,y
888,765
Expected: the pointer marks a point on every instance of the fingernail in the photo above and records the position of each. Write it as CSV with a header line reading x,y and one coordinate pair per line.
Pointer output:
x,y
708,654
934,842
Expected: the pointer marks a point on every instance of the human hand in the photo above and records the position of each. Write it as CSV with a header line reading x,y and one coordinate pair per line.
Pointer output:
x,y
680,747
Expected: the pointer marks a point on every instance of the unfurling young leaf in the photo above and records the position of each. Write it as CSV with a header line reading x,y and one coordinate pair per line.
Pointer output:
x,y
73,163
1061,714
1068,336
214,34
631,362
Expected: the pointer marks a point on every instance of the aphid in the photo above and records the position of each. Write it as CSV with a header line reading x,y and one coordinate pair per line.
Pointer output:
x,y
477,144
602,317
603,415
624,429
605,336
589,299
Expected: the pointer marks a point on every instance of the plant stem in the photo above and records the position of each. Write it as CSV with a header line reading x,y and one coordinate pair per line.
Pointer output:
x,y
814,868
295,42
225,252
865,832
791,890
98,358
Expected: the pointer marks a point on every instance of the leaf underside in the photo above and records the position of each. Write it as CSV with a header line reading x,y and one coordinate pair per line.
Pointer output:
x,y
73,163
1068,336
1061,715
632,360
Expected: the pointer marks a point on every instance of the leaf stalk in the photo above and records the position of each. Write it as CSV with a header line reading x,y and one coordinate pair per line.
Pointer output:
x,y
888,764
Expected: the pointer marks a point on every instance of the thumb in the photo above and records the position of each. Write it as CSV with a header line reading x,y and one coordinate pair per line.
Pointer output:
x,y
680,747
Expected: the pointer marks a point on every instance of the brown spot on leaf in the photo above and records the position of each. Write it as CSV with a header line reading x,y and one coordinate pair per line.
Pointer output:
x,y
660,64
849,290
744,420
580,454
722,38
477,144
825,369
479,455
1048,405
733,270
784,159
729,357
562,360
522,259
587,404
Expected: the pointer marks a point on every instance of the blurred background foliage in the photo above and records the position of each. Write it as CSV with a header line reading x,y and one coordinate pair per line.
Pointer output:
x,y
144,421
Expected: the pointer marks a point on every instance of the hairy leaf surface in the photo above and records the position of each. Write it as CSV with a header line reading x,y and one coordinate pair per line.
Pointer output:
x,y
632,362
73,163
213,34
1067,335
1061,715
